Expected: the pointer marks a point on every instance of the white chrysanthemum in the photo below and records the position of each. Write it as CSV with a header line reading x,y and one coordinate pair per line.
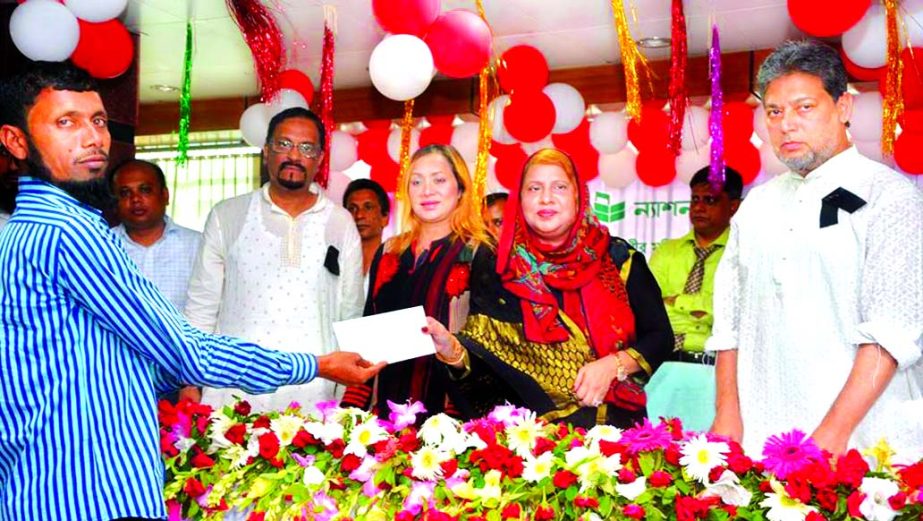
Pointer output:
x,y
285,428
239,456
782,507
602,432
701,455
438,427
522,436
729,489
427,463
313,477
537,469
363,435
219,425
875,506
578,456
632,490
590,466
327,432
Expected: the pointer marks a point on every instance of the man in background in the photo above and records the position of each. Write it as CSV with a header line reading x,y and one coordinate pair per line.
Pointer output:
x,y
494,205
368,203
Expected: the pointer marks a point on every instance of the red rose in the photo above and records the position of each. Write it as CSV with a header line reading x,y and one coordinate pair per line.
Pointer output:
x,y
388,266
851,468
262,422
304,438
814,516
672,454
852,503
257,516
912,475
675,425
659,479
167,447
827,499
544,513
236,434
897,501
563,430
269,445
449,467
798,489
457,281
610,448
350,462
202,461
277,463
715,473
193,488
336,448
404,515
543,445
765,487
408,442
586,502
511,511
437,515
739,464
564,478
634,511
242,408
626,476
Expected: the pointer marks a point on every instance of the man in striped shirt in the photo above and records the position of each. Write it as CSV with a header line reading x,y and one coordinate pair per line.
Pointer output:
x,y
86,342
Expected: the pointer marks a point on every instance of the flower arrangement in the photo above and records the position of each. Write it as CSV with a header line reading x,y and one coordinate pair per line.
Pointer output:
x,y
344,464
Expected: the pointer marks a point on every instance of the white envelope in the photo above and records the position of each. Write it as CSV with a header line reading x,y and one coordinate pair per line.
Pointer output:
x,y
390,337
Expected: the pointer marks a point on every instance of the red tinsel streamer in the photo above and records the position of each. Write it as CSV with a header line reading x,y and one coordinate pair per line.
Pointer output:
x,y
326,103
264,38
679,94
892,105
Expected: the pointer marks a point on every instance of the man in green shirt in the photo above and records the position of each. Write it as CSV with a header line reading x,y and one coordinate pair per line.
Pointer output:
x,y
685,269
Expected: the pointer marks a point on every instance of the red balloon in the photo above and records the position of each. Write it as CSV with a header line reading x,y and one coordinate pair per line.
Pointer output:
x,y
586,160
522,67
498,149
298,82
743,157
385,172
373,145
460,43
912,121
440,119
436,134
861,73
737,121
656,167
105,49
912,78
826,17
577,138
373,124
406,16
907,153
652,132
509,167
530,115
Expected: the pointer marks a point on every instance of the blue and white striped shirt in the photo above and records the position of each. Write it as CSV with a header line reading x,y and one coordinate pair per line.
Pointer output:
x,y
86,339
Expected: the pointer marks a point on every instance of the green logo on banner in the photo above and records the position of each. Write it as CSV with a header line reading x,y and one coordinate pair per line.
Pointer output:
x,y
605,211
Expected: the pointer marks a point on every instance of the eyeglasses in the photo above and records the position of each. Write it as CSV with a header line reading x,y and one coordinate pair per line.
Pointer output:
x,y
284,146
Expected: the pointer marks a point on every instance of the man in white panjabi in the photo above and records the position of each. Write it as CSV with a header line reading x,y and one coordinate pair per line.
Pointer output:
x,y
819,294
278,266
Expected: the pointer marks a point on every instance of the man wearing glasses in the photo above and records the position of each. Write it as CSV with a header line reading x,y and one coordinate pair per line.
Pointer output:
x,y
278,266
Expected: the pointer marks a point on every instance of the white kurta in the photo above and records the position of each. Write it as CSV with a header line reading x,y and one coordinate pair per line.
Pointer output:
x,y
796,300
260,276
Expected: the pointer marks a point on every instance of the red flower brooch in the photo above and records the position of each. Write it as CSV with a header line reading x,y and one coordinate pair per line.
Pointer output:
x,y
457,281
388,266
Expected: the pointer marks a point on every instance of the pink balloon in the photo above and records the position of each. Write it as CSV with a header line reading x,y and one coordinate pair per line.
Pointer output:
x,y
460,43
405,16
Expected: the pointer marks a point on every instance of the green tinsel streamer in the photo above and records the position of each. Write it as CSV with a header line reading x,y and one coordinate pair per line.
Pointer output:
x,y
185,100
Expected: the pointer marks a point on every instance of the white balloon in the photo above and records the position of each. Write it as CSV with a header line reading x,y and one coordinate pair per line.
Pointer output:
x,y
254,123
96,10
465,140
401,67
618,170
865,123
493,185
695,128
759,124
691,161
336,185
498,132
866,43
285,99
913,21
535,146
609,132
569,107
343,151
44,30
872,150
769,161
394,143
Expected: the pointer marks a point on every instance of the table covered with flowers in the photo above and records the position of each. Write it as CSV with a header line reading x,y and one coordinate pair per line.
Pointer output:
x,y
336,464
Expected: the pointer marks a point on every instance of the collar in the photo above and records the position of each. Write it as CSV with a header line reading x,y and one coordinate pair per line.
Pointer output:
x,y
721,240
34,190
841,161
320,204
170,228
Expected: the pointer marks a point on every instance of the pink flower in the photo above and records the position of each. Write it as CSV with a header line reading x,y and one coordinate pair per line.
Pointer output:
x,y
789,452
646,437
404,415
634,511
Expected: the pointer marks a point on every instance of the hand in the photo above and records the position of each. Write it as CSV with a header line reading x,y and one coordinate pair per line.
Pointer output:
x,y
191,393
594,379
728,424
830,440
346,368
441,337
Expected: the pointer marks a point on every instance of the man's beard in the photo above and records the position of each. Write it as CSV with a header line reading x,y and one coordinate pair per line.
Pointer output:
x,y
292,184
92,192
808,161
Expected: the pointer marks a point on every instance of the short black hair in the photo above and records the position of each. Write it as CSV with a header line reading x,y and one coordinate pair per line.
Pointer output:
x,y
154,167
297,112
368,184
807,56
18,92
733,183
495,198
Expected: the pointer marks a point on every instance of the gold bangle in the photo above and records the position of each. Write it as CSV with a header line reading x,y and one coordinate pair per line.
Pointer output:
x,y
458,353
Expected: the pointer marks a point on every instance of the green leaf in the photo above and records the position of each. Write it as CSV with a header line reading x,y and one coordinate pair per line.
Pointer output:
x,y
646,461
605,506
571,493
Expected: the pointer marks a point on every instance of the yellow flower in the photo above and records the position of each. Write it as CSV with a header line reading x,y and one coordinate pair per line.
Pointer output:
x,y
882,453
259,488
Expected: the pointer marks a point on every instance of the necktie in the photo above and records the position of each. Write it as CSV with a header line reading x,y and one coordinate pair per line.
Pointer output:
x,y
694,282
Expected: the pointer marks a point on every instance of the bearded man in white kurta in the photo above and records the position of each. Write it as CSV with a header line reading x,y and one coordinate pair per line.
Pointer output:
x,y
819,294
280,265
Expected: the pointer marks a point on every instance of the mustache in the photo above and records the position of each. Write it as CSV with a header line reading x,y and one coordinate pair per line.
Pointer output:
x,y
293,164
99,152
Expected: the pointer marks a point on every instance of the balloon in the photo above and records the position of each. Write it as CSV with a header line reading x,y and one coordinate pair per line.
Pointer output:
x,y
254,124
529,116
861,73
297,81
872,150
460,43
405,16
385,172
913,17
586,160
373,124
44,30
759,123
691,161
737,121
105,50
695,128
498,131
912,77
509,167
618,170
493,185
609,132
522,67
769,161
865,123
285,99
96,10
824,18
569,106
652,131
336,186
579,138
743,157
343,151
656,167
465,140
394,143
401,67
907,153
535,146
866,43
372,146
440,134
912,121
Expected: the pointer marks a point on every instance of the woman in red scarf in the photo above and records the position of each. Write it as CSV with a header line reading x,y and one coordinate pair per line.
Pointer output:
x,y
564,319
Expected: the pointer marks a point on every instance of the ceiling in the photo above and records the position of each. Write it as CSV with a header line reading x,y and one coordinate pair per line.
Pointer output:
x,y
570,33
